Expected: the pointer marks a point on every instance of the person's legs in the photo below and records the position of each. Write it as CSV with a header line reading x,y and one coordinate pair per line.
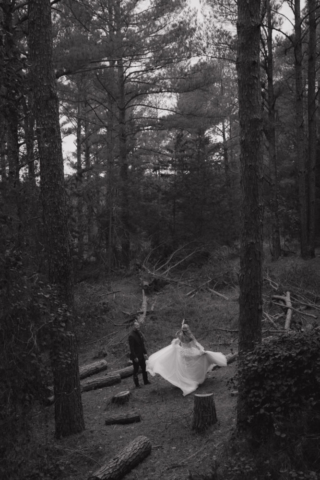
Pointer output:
x,y
144,372
135,373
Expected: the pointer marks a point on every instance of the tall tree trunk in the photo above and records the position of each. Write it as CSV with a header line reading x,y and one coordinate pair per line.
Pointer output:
x,y
111,142
79,180
87,161
67,393
124,170
274,202
312,126
248,68
301,164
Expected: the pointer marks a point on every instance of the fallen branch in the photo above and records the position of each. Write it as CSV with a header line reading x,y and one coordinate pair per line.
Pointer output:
x,y
296,310
217,293
198,288
142,316
270,319
288,304
272,283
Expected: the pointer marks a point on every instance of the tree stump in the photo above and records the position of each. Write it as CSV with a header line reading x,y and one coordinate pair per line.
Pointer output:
x,y
123,418
125,461
95,367
204,412
121,398
100,382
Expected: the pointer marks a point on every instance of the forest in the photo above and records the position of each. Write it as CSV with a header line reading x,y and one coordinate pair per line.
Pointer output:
x,y
159,160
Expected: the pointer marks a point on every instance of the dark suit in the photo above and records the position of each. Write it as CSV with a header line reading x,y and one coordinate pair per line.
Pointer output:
x,y
138,351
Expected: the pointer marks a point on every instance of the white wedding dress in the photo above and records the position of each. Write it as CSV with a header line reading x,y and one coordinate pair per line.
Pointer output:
x,y
183,364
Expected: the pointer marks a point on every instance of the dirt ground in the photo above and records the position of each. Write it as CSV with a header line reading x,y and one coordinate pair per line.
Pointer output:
x,y
166,415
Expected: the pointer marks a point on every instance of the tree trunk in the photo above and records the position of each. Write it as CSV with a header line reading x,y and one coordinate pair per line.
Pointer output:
x,y
125,461
204,412
274,202
248,68
312,126
300,146
64,354
124,169
80,222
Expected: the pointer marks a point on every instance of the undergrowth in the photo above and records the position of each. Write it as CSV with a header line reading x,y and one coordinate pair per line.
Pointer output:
x,y
280,380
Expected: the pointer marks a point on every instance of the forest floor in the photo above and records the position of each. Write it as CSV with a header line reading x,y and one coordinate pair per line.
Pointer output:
x,y
166,415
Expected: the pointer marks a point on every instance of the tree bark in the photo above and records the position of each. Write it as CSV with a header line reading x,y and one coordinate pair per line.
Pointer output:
x,y
125,461
300,145
274,202
248,68
122,133
64,354
204,412
312,126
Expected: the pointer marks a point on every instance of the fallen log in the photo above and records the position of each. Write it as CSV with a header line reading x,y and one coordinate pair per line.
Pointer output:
x,y
134,453
121,398
204,412
100,382
123,418
217,293
125,372
93,368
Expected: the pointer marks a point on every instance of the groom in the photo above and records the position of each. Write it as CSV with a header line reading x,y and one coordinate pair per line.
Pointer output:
x,y
138,354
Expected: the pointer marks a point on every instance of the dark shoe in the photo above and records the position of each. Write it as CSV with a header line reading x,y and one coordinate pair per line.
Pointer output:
x,y
145,378
138,386
136,382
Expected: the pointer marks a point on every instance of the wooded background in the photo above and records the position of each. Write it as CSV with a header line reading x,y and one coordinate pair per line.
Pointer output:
x,y
150,98
195,128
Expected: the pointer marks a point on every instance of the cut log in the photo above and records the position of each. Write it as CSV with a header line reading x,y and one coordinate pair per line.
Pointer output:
x,y
125,461
100,382
93,368
121,398
125,372
123,418
204,412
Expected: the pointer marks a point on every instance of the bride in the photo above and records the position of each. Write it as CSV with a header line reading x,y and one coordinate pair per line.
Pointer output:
x,y
184,362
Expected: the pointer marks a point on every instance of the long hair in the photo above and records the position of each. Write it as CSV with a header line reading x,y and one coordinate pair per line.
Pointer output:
x,y
184,334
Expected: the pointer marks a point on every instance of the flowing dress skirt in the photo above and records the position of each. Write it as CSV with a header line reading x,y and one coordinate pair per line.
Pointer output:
x,y
185,366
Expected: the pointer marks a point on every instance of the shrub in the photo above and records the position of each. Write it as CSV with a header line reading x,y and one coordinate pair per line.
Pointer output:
x,y
281,378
